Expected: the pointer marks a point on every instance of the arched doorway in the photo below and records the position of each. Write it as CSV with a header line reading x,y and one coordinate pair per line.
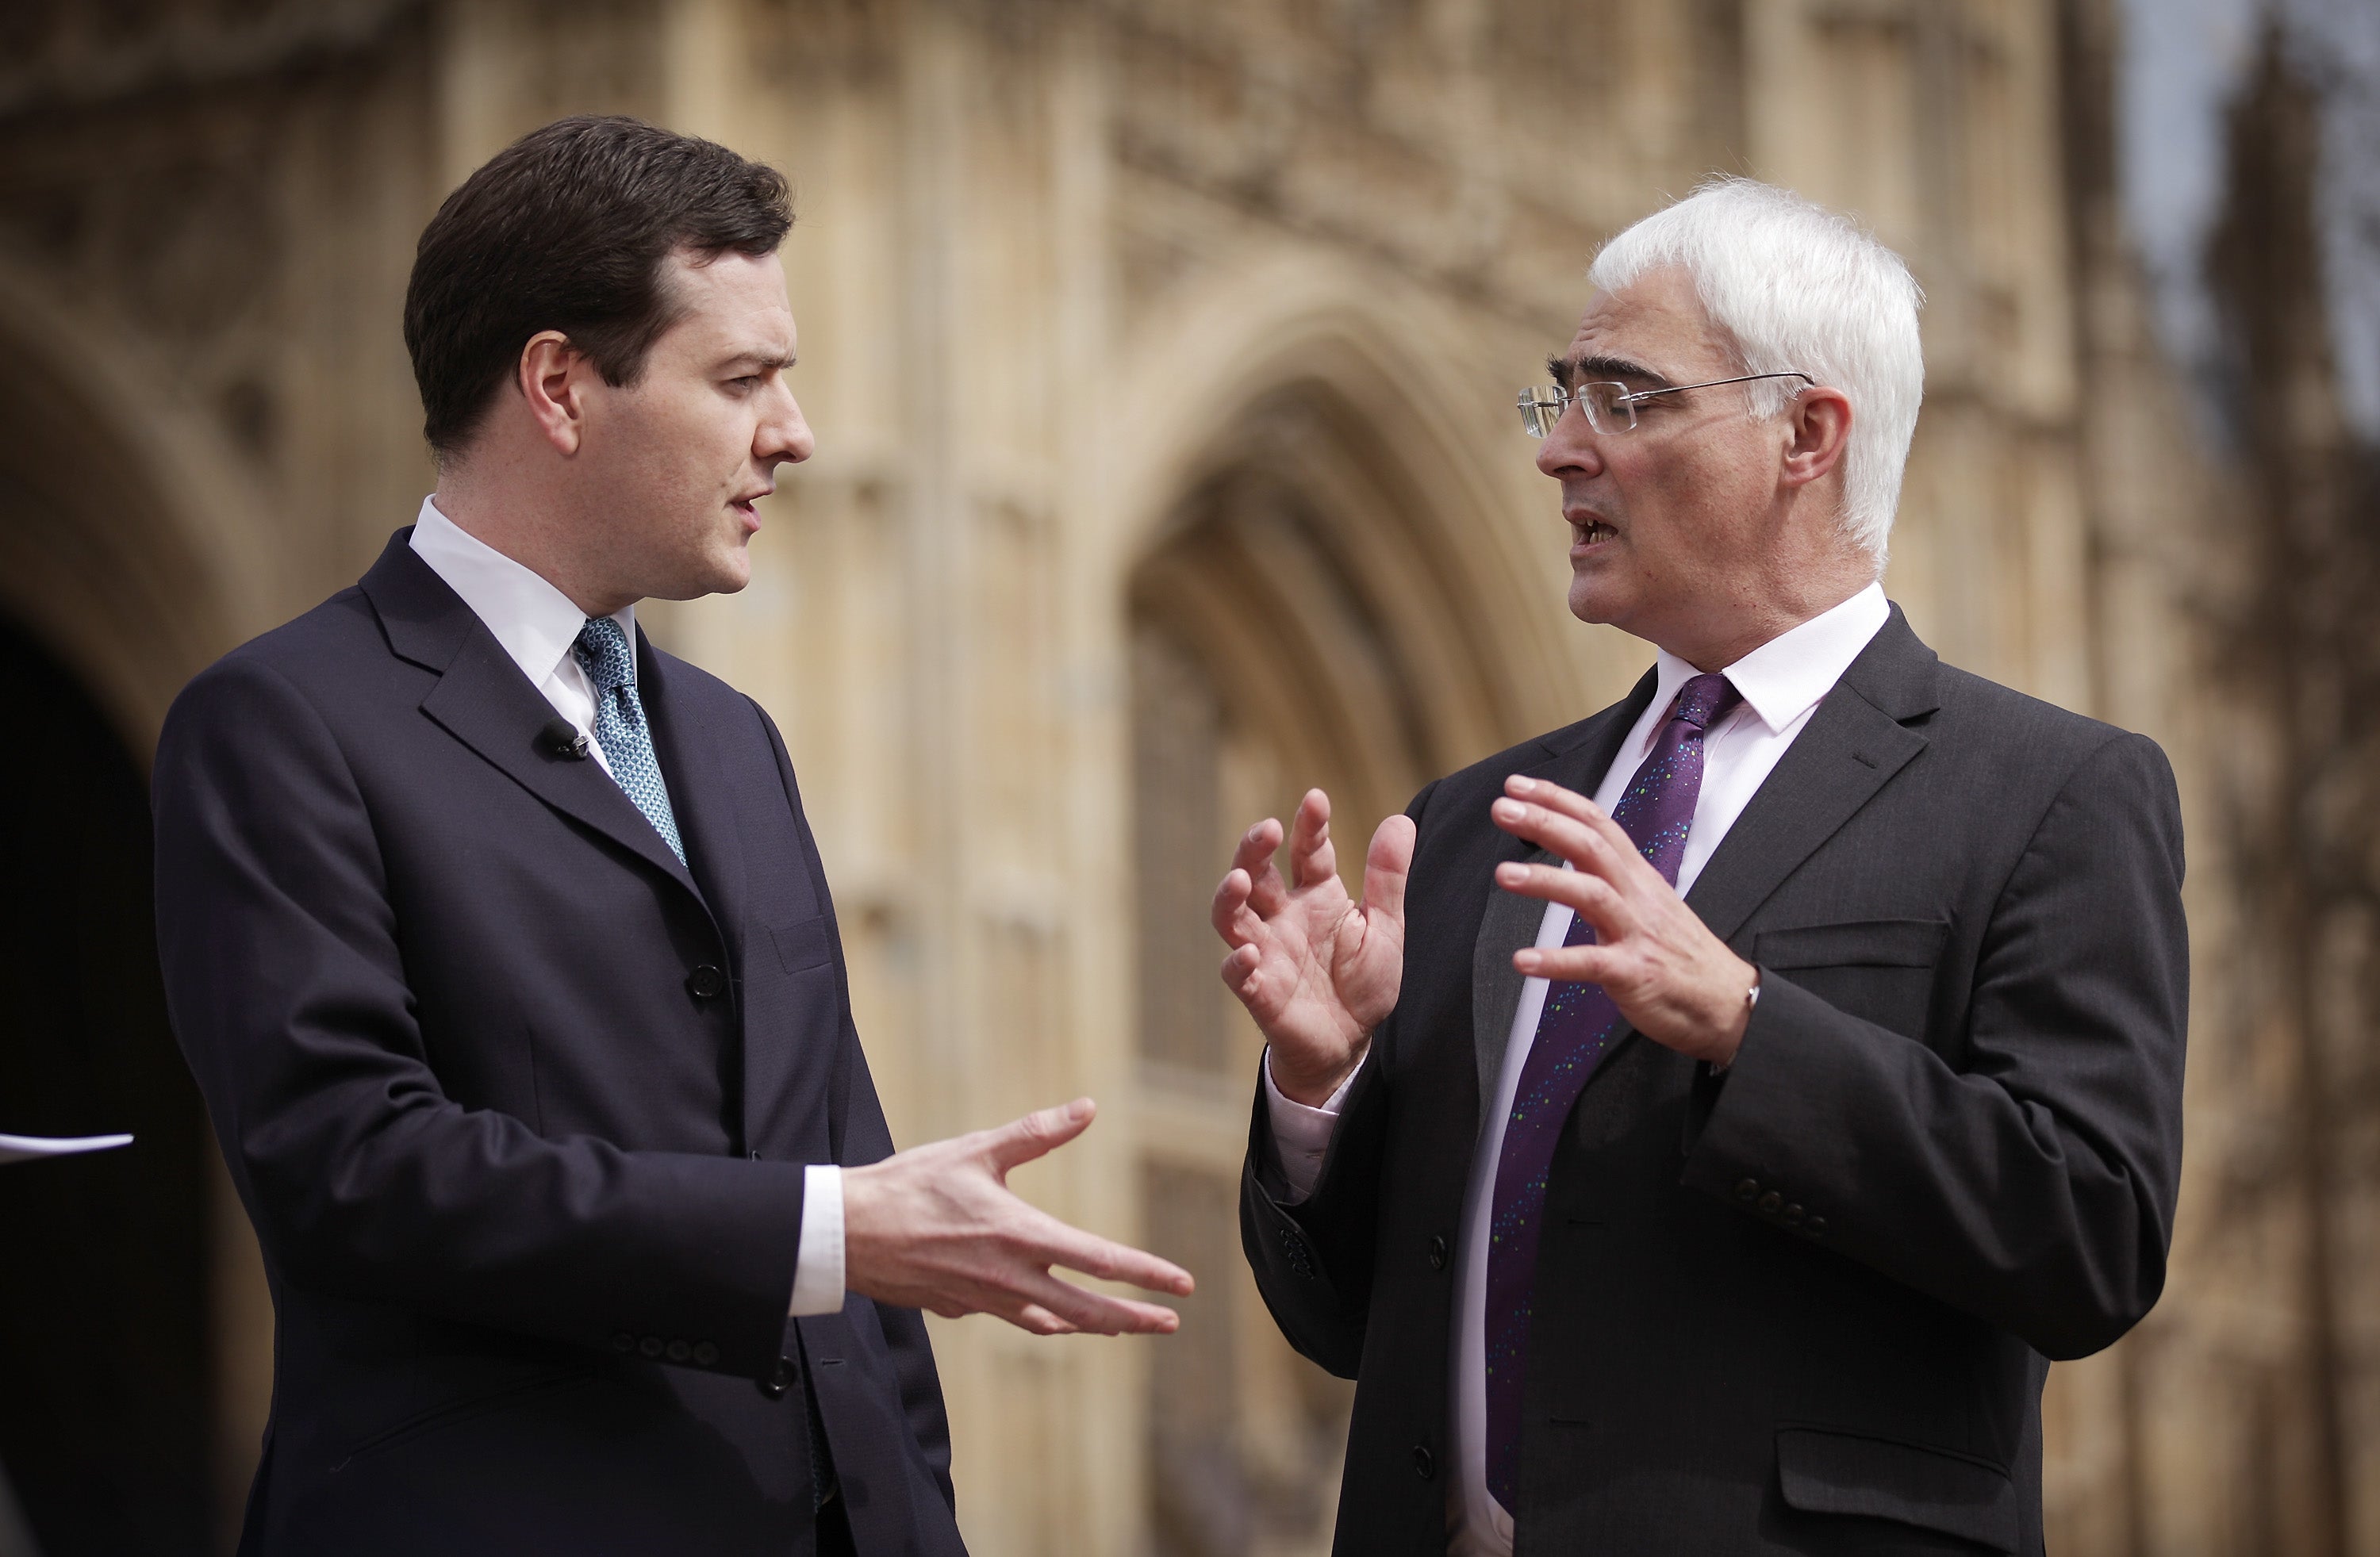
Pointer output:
x,y
105,1327
1298,622
130,557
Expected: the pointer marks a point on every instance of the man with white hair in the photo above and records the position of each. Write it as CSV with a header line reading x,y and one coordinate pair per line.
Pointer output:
x,y
1714,1166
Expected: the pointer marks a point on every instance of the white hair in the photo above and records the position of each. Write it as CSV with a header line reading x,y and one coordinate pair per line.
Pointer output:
x,y
1795,287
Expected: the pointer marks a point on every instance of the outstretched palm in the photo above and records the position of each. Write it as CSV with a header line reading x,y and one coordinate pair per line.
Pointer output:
x,y
1316,968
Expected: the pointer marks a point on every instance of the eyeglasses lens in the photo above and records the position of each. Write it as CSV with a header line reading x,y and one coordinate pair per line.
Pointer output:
x,y
1608,409
1540,408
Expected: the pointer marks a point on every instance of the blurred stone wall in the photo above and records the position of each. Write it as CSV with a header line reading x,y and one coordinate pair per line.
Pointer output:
x,y
1162,360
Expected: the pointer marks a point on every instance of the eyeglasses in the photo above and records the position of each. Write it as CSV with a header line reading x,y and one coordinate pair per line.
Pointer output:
x,y
1611,407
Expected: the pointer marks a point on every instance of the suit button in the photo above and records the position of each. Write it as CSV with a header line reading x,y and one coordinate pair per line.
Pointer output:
x,y
1769,1203
1295,1249
680,1352
1437,1254
706,981
650,1345
624,1342
779,1379
1747,1190
1425,1463
1793,1217
706,1354
1817,1227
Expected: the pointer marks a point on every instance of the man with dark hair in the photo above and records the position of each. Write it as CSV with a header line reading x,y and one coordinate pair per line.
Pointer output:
x,y
503,954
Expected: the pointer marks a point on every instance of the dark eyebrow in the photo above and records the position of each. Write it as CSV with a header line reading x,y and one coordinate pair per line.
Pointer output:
x,y
765,361
1567,372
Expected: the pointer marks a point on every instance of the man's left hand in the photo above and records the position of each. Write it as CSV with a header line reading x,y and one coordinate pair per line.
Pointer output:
x,y
1674,981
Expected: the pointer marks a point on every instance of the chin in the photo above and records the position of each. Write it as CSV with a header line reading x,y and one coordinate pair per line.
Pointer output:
x,y
1594,600
728,580
727,570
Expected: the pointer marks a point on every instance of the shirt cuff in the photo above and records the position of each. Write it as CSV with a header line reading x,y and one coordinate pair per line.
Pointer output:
x,y
1302,1135
818,1267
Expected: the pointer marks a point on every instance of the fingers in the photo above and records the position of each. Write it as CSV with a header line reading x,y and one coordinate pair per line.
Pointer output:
x,y
1385,865
1038,1134
1253,858
1311,858
1592,898
1095,1312
1570,964
1001,1302
1240,972
1578,830
1230,913
1060,1244
1038,1319
1029,1317
1577,806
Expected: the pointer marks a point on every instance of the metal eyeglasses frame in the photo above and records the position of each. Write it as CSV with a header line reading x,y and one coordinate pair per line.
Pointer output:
x,y
1542,404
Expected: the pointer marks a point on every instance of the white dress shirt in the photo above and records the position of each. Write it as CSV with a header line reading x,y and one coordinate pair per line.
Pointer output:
x,y
538,626
1781,681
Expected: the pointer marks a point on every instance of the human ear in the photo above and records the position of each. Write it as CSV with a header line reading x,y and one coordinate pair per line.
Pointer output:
x,y
549,381
1819,420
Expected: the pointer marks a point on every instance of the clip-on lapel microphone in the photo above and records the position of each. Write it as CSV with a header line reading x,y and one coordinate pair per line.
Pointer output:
x,y
561,738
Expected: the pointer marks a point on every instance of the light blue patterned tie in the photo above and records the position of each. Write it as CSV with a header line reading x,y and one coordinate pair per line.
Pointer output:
x,y
620,727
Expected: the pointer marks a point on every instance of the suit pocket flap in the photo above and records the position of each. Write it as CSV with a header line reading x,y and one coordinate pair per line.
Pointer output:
x,y
807,943
1828,1472
1872,943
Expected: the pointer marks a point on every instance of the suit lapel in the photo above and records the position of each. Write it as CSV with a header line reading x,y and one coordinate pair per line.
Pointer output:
x,y
687,749
1512,921
1858,739
482,700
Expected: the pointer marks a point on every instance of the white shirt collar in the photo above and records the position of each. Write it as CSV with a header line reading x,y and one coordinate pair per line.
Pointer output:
x,y
1784,678
536,624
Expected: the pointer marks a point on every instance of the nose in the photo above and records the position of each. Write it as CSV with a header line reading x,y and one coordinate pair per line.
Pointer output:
x,y
783,436
1572,447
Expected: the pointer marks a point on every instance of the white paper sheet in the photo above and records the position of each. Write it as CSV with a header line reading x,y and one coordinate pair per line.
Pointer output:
x,y
17,1148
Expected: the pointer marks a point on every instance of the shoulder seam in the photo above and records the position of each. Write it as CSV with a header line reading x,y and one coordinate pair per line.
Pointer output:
x,y
2112,737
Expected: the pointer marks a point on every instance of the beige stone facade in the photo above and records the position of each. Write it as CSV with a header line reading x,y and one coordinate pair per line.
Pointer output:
x,y
1161,358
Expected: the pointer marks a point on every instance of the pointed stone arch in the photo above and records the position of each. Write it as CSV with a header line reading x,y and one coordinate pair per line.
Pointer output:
x,y
131,544
1375,405
133,551
1327,580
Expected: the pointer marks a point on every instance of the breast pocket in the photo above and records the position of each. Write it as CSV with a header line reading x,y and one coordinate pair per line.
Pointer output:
x,y
1881,969
805,944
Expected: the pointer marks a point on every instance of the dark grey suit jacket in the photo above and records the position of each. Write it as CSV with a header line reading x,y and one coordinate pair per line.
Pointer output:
x,y
520,1105
1807,1306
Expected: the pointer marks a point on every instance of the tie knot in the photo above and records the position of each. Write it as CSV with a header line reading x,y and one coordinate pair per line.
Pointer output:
x,y
603,650
1705,698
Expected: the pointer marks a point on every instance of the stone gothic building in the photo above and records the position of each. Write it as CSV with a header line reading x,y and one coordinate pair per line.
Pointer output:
x,y
1163,358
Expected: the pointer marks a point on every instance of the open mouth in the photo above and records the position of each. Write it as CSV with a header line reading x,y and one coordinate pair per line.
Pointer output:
x,y
1595,532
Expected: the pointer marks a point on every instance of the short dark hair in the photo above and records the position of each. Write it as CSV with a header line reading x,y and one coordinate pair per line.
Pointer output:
x,y
567,229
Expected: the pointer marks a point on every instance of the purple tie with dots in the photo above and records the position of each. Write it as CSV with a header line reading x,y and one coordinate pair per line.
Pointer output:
x,y
1578,1028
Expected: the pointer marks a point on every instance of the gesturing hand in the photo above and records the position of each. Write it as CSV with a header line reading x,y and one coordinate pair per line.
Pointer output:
x,y
1674,981
1317,970
937,1227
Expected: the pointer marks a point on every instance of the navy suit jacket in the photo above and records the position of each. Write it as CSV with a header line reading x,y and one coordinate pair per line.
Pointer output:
x,y
1806,1306
521,1104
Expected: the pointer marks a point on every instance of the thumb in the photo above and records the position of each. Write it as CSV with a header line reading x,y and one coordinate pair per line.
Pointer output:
x,y
1038,1133
1385,865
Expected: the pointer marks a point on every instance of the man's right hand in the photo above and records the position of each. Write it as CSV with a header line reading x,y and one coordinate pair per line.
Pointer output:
x,y
937,1227
1318,971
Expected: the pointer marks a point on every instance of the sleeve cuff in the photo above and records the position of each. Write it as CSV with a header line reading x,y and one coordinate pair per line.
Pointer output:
x,y
818,1267
1302,1135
